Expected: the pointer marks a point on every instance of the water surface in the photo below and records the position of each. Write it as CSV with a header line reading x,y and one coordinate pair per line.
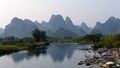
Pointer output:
x,y
57,55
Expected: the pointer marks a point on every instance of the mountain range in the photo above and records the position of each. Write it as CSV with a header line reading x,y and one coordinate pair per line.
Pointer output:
x,y
110,27
58,27
19,28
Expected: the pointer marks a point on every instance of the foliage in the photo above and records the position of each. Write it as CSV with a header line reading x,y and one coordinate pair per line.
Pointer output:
x,y
7,49
12,44
68,40
93,37
111,41
1,39
10,38
26,40
39,36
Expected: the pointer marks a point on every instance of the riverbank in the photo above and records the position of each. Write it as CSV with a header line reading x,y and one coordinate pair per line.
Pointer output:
x,y
8,49
101,60
57,55
78,40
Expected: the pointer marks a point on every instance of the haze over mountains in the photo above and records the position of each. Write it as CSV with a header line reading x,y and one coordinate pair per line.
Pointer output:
x,y
58,27
1,30
19,28
111,26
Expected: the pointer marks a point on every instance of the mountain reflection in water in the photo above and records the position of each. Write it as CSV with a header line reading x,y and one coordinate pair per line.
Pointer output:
x,y
57,55
57,51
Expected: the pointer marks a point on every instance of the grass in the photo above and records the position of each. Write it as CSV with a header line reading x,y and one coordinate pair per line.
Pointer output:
x,y
13,47
7,49
71,40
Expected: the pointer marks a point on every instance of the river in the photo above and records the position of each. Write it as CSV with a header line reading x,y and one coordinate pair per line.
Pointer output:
x,y
57,55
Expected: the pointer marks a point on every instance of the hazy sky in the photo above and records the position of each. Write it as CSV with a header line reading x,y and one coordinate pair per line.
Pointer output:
x,y
88,11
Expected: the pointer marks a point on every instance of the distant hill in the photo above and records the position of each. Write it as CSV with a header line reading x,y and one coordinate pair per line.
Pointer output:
x,y
111,26
19,28
59,27
1,30
57,22
85,28
55,27
64,33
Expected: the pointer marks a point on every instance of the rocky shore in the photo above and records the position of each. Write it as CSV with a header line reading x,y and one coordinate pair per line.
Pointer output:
x,y
115,57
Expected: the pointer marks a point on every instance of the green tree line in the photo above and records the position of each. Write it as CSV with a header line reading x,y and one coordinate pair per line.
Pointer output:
x,y
100,41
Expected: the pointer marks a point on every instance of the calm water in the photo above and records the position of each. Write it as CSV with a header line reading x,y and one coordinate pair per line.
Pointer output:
x,y
57,55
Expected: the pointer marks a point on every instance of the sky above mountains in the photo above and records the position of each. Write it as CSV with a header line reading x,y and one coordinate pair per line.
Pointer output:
x,y
89,11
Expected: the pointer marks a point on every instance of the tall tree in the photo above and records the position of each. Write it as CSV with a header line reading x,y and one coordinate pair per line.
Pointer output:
x,y
39,35
94,38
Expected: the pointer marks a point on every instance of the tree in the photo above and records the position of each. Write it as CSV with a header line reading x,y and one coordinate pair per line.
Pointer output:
x,y
10,38
39,36
110,41
95,39
1,39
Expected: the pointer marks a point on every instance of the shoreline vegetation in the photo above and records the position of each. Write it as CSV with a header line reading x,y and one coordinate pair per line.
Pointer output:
x,y
8,49
99,44
12,44
96,40
40,41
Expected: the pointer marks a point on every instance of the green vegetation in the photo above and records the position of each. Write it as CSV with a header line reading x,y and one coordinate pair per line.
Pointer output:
x,y
94,39
39,35
11,44
79,40
39,40
98,41
111,41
